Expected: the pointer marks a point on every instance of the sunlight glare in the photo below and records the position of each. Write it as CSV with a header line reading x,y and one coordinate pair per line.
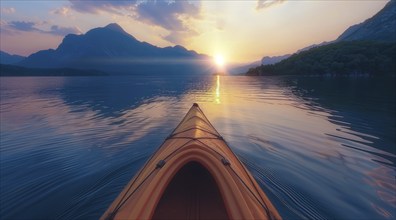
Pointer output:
x,y
219,60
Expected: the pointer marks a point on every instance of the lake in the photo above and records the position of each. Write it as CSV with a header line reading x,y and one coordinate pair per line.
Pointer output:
x,y
320,147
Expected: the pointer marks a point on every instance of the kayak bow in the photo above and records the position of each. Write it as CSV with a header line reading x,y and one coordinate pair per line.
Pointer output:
x,y
193,175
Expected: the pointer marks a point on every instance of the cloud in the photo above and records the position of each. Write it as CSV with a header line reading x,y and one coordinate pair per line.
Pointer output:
x,y
8,10
14,27
63,31
92,6
32,27
4,29
169,15
172,15
267,3
179,37
23,26
164,13
64,11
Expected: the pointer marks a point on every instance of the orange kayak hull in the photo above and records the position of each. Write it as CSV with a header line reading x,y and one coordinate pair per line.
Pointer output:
x,y
193,175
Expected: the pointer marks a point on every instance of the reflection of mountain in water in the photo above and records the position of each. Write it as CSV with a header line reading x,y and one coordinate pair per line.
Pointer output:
x,y
373,103
113,95
317,144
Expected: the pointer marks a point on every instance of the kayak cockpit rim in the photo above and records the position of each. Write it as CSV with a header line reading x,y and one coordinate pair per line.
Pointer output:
x,y
193,141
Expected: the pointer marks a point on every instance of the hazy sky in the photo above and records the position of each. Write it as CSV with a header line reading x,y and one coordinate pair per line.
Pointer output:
x,y
241,31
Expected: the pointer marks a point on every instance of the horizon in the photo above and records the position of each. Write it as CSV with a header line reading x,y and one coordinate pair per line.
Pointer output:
x,y
231,30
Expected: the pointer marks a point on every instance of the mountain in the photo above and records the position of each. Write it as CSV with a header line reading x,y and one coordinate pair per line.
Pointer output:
x,y
267,60
314,45
340,58
6,58
380,27
111,49
242,68
275,59
365,48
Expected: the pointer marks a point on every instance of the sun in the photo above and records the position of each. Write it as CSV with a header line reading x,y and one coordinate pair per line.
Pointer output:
x,y
219,60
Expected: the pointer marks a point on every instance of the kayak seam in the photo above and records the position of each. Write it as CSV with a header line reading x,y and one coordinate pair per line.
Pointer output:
x,y
143,175
125,199
258,200
262,203
197,128
114,213
251,192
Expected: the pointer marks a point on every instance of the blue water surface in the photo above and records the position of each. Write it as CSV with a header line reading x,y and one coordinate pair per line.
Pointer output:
x,y
320,147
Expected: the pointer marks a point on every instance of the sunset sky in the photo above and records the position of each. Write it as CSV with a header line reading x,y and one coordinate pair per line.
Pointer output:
x,y
240,31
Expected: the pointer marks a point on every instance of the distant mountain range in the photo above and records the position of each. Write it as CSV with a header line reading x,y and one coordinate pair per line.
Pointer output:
x,y
275,59
6,58
242,68
267,60
380,27
264,61
370,44
113,50
340,58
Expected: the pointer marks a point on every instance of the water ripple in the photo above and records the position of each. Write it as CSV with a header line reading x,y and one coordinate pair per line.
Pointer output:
x,y
69,145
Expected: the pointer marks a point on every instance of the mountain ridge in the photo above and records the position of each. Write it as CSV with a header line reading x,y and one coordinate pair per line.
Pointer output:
x,y
6,58
111,49
359,31
370,44
340,58
380,27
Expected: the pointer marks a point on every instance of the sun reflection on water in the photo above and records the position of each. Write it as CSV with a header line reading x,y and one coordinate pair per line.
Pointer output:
x,y
279,132
218,89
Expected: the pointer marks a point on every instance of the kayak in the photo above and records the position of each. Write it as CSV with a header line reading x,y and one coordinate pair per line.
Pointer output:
x,y
193,175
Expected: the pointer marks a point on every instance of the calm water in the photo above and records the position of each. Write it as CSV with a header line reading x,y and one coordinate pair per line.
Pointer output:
x,y
321,148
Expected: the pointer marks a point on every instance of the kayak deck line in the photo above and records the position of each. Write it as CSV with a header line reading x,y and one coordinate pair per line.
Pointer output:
x,y
192,175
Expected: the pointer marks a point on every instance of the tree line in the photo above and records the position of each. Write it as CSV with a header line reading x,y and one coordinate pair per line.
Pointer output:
x,y
341,58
